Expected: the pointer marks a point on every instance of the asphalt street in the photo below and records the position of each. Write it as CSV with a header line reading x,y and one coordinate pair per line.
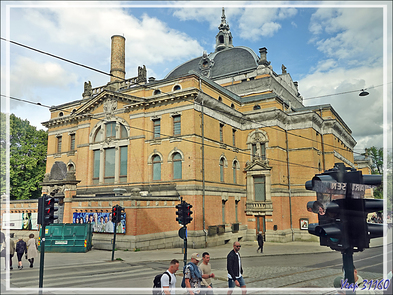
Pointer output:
x,y
295,267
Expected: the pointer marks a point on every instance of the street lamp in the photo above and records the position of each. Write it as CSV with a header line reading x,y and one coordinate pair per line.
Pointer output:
x,y
363,93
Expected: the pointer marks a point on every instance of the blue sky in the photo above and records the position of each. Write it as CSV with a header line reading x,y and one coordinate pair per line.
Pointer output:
x,y
328,47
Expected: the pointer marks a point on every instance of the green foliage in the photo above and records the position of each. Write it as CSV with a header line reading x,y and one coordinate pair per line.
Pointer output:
x,y
376,155
28,147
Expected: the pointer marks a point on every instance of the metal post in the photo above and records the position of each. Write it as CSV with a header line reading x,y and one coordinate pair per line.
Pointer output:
x,y
114,240
41,274
185,247
348,265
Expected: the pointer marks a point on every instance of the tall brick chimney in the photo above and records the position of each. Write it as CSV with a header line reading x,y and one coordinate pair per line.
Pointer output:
x,y
118,68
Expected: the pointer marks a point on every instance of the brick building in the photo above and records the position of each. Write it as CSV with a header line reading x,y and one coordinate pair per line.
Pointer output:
x,y
223,131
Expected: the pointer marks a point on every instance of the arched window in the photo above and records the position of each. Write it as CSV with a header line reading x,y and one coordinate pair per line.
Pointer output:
x,y
70,167
97,136
61,114
232,106
219,98
221,38
234,167
157,91
111,129
177,87
156,167
123,131
257,107
177,166
222,162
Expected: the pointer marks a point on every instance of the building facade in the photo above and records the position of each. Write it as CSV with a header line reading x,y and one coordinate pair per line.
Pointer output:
x,y
223,131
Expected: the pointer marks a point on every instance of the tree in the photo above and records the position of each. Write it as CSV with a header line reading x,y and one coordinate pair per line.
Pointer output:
x,y
28,147
376,155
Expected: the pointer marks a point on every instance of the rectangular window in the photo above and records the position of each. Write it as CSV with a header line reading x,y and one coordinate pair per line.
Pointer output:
x,y
263,151
109,176
254,151
221,132
59,140
223,212
156,128
234,137
176,125
236,214
96,166
72,144
123,164
111,129
259,188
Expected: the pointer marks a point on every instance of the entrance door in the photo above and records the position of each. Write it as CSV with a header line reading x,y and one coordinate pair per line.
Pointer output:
x,y
261,225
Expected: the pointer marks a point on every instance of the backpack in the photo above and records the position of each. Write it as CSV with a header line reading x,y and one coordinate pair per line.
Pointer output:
x,y
193,273
157,282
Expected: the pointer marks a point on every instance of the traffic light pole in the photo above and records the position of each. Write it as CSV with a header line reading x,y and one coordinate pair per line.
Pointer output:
x,y
348,265
185,247
41,275
114,240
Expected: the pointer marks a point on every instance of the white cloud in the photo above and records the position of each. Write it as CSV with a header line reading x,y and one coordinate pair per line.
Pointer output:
x,y
27,73
257,22
253,22
352,36
363,115
148,39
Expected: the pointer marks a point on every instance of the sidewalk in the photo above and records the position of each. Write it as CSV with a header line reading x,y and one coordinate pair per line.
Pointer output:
x,y
218,252
248,249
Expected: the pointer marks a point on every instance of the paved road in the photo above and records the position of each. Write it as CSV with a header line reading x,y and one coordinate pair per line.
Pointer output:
x,y
283,268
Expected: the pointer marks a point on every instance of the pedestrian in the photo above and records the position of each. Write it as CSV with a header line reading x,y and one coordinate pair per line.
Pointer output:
x,y
11,245
193,275
260,242
168,285
206,269
235,270
32,249
20,250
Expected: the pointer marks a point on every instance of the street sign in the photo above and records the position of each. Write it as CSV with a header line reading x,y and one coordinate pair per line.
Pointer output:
x,y
183,233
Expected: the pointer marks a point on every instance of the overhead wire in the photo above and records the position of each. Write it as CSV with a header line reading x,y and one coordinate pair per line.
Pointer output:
x,y
147,86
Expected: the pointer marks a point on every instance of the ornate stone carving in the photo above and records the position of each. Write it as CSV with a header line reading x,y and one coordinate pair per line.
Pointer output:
x,y
110,105
87,90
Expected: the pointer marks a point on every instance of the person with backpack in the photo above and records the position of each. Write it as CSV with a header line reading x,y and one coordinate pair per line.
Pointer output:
x,y
165,283
192,278
21,249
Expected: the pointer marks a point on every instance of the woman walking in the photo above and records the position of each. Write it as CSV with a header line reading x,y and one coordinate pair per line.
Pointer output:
x,y
32,247
20,250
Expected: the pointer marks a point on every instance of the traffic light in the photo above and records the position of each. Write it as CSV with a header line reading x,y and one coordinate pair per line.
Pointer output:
x,y
179,213
187,213
331,227
46,210
119,213
342,209
115,213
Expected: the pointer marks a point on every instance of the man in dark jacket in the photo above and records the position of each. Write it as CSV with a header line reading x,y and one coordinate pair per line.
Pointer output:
x,y
260,242
235,270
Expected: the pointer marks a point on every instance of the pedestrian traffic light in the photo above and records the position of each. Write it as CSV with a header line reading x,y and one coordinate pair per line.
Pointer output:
x,y
187,214
46,210
179,213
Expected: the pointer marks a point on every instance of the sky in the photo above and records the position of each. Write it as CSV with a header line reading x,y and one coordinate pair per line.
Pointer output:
x,y
333,49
